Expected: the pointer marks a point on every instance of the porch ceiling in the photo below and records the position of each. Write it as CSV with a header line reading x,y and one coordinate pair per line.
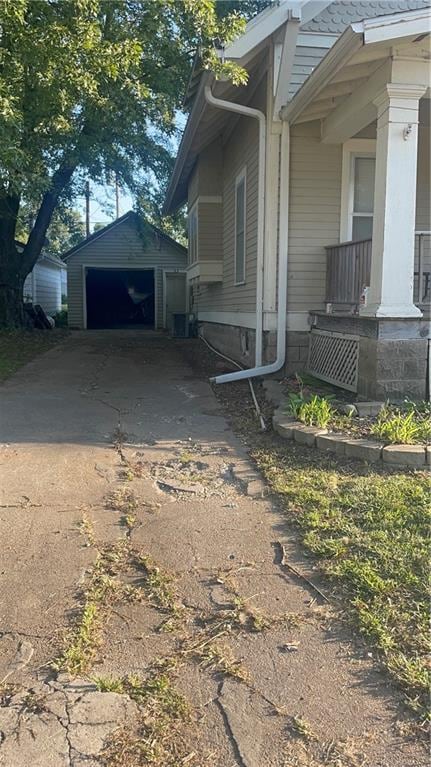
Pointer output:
x,y
350,76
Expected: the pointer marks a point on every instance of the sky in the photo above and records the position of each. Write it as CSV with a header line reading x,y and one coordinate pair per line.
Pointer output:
x,y
102,203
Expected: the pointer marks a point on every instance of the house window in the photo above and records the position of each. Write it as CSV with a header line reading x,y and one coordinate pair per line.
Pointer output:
x,y
363,197
240,219
193,235
357,189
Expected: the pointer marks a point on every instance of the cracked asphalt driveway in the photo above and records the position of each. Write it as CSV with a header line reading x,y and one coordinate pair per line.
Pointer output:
x,y
119,470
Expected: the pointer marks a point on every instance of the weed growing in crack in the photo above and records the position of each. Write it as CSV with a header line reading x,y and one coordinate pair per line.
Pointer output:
x,y
122,500
160,590
243,616
157,740
102,592
108,684
87,530
34,703
7,691
129,521
217,657
302,728
105,589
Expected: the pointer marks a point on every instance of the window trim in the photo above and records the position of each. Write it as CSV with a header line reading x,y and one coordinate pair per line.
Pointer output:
x,y
241,177
360,147
193,212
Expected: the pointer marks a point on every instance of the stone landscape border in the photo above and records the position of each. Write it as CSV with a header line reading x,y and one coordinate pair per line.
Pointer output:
x,y
407,456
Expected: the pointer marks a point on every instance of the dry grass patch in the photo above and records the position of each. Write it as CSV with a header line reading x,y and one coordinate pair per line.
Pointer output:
x,y
17,347
158,740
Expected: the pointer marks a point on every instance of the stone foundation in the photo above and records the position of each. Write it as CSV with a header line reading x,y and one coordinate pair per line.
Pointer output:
x,y
296,352
393,354
239,344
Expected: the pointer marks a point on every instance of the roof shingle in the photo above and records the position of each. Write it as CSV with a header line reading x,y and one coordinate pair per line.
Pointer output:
x,y
339,14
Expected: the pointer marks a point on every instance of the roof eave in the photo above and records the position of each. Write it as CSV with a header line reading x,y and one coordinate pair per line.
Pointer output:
x,y
355,37
171,204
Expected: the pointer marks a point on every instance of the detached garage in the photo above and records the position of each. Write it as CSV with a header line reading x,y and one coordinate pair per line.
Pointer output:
x,y
126,276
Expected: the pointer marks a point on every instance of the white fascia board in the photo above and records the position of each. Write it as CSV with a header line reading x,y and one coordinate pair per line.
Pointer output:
x,y
384,28
285,67
261,27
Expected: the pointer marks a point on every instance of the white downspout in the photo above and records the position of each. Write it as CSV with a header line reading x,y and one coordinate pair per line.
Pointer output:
x,y
274,367
229,106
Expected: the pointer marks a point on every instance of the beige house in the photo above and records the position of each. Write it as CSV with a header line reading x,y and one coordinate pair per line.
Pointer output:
x,y
308,194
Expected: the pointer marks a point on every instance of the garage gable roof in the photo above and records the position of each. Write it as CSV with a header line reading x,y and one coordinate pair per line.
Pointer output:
x,y
130,216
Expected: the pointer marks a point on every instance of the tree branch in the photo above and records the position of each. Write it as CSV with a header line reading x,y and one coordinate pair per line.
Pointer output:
x,y
36,240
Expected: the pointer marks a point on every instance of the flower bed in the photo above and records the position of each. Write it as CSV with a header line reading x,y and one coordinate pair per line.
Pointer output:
x,y
394,434
408,423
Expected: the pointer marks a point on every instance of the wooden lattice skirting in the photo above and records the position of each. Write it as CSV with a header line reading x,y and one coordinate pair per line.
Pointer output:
x,y
333,357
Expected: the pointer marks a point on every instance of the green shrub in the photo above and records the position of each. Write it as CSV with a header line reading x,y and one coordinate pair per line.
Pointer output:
x,y
396,427
295,401
61,319
316,412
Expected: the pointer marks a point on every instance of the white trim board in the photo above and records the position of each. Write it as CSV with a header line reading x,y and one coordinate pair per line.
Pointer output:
x,y
296,321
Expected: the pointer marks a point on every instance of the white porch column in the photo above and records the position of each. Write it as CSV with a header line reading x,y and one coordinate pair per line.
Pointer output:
x,y
392,259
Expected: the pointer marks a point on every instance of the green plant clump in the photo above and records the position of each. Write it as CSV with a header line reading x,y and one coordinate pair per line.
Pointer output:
x,y
60,319
397,427
316,411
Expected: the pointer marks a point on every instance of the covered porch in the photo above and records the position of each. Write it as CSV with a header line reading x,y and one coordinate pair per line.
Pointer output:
x,y
371,96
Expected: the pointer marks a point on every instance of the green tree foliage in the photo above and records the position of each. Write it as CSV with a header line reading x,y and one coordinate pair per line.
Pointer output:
x,y
90,87
65,230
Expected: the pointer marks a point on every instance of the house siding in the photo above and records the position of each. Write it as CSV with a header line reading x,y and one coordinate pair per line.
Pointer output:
x,y
47,280
210,241
305,61
314,215
240,151
121,248
423,201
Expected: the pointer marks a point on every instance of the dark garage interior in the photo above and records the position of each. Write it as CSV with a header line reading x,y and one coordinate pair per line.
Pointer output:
x,y
119,298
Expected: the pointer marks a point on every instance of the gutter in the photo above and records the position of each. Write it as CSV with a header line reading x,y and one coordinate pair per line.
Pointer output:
x,y
256,114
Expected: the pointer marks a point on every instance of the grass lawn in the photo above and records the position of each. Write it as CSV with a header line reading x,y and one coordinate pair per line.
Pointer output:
x,y
369,531
17,347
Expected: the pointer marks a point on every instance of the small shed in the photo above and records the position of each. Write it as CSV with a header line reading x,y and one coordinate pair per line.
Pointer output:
x,y
45,283
126,275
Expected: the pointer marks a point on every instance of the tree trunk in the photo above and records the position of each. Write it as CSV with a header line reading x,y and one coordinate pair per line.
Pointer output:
x,y
15,265
12,313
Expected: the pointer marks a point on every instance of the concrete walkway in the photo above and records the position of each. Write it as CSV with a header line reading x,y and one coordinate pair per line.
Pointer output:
x,y
112,446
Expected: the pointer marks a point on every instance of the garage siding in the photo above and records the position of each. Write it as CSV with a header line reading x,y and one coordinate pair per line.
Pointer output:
x,y
121,247
48,287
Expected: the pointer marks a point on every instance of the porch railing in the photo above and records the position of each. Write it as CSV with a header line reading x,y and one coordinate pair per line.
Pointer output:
x,y
348,268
